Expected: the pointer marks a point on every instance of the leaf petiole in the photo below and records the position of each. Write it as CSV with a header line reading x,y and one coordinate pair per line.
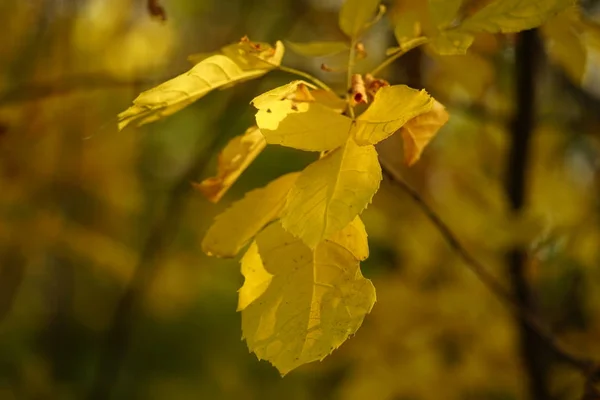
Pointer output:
x,y
306,75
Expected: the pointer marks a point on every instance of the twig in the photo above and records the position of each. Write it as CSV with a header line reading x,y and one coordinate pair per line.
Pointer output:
x,y
305,75
589,368
532,350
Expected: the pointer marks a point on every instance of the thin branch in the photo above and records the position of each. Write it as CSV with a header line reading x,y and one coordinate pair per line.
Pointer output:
x,y
589,368
532,350
304,75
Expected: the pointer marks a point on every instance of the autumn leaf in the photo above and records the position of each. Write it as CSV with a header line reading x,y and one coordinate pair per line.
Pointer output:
x,y
443,12
353,238
246,53
214,72
299,304
355,16
232,229
508,16
232,161
318,49
392,107
330,100
418,132
331,192
290,116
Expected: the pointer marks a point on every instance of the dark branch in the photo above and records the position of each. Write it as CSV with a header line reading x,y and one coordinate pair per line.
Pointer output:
x,y
533,351
589,368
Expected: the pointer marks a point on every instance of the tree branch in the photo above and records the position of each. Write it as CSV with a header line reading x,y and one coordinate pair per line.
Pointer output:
x,y
589,368
533,352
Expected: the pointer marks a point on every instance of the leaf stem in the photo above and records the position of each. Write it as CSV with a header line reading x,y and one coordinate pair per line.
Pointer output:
x,y
305,75
351,62
411,45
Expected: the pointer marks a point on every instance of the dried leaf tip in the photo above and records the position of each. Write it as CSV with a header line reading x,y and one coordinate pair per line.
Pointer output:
x,y
373,84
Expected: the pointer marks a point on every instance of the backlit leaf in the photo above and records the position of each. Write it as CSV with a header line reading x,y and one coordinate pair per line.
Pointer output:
x,y
290,116
215,72
354,238
232,161
318,49
392,107
355,16
331,192
419,131
232,229
410,19
300,304
513,15
443,12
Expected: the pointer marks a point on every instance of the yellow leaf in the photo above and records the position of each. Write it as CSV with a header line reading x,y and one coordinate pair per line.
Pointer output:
x,y
232,161
410,19
318,49
355,15
392,107
290,116
232,229
330,100
257,279
419,131
245,53
353,238
443,12
298,304
513,15
215,72
331,192
451,42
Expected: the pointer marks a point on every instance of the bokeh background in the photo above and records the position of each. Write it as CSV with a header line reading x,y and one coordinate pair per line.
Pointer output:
x,y
104,288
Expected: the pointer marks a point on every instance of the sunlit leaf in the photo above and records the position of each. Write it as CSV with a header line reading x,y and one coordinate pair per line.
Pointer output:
x,y
215,72
331,192
318,49
443,12
329,99
355,16
354,238
410,19
300,304
392,107
290,116
419,131
513,15
232,229
232,161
